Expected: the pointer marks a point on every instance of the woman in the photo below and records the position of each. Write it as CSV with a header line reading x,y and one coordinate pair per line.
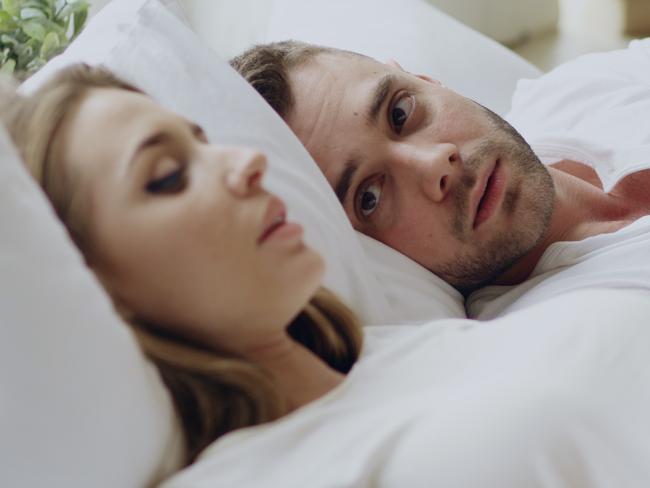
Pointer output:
x,y
220,289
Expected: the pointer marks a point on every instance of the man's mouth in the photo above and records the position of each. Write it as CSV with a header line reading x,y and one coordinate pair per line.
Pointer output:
x,y
489,194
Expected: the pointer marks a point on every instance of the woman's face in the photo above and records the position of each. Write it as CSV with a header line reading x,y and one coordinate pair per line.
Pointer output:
x,y
180,231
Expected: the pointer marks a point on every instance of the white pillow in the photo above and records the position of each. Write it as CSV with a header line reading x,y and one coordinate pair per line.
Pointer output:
x,y
410,288
144,43
229,27
424,40
417,35
79,404
101,416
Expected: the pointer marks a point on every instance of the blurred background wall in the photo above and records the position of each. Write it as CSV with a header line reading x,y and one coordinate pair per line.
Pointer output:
x,y
549,32
546,32
588,26
508,21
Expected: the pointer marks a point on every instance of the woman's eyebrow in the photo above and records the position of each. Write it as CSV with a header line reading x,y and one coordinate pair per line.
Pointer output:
x,y
162,137
155,139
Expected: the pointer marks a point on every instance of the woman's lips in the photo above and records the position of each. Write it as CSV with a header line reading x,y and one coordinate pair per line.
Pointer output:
x,y
286,230
271,229
273,219
492,194
275,224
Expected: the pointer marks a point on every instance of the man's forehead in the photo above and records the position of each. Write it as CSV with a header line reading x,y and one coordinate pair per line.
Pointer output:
x,y
351,66
332,99
330,86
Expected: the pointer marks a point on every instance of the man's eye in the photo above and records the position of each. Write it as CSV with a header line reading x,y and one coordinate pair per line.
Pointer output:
x,y
368,199
400,112
171,182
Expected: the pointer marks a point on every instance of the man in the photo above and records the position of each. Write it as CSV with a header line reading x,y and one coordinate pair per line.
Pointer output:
x,y
433,174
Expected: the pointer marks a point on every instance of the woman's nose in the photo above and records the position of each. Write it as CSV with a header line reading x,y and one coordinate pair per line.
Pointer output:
x,y
245,171
434,168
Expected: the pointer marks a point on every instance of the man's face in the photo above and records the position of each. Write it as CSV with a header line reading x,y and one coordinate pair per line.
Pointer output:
x,y
422,169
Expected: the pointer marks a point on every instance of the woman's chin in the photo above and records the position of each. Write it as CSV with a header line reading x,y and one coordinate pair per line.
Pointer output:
x,y
318,273
309,278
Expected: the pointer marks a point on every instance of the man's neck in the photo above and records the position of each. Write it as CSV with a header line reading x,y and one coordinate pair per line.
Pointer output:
x,y
582,209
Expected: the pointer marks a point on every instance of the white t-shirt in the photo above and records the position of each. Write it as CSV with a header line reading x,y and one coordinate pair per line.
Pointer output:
x,y
553,396
595,110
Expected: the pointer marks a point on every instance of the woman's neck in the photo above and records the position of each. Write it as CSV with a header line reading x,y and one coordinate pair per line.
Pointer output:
x,y
300,374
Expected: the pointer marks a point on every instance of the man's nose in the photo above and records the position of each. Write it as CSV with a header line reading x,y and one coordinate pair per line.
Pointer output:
x,y
434,168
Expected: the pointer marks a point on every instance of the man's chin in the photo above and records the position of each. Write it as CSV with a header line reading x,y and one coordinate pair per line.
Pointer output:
x,y
468,284
494,266
467,287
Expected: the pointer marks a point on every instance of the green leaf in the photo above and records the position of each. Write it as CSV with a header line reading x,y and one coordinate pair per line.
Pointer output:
x,y
72,8
51,26
7,22
9,67
24,52
35,63
32,13
79,21
12,7
51,45
32,31
35,30
10,40
4,55
44,5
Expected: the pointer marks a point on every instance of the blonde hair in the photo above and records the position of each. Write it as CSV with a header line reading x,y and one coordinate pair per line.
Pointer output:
x,y
213,392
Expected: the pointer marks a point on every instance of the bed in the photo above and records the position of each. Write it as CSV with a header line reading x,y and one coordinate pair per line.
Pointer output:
x,y
81,406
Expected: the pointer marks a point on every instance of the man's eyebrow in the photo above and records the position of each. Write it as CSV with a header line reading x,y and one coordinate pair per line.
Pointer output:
x,y
379,93
342,186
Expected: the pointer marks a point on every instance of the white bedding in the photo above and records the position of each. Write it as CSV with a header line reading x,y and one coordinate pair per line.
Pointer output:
x,y
554,396
80,406
452,404
592,110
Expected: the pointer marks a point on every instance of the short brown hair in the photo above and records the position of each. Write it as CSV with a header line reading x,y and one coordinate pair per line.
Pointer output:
x,y
267,66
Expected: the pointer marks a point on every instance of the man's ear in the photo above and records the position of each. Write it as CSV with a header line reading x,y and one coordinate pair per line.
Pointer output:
x,y
430,80
395,64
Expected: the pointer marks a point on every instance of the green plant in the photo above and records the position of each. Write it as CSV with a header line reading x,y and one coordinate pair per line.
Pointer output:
x,y
32,31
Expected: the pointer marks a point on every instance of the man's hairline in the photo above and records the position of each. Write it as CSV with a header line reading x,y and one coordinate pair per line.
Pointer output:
x,y
305,62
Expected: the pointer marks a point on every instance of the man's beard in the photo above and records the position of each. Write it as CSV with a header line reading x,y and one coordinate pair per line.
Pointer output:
x,y
533,200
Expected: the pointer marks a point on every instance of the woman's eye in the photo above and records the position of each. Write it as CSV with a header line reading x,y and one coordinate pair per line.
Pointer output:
x,y
400,112
368,199
171,182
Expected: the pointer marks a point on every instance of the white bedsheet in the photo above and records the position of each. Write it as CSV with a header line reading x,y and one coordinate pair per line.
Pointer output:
x,y
557,395
592,110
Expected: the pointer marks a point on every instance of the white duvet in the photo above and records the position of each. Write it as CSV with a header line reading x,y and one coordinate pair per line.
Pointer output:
x,y
557,395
